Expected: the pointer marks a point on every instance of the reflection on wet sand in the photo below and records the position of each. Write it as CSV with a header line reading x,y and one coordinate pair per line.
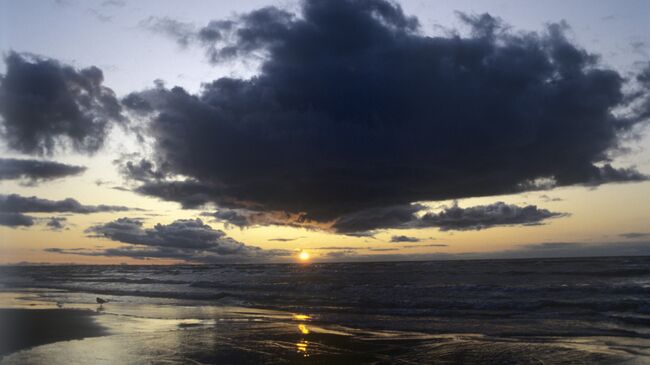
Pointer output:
x,y
154,334
301,317
303,329
301,346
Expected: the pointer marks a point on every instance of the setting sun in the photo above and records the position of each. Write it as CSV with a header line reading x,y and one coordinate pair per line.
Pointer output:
x,y
324,181
303,256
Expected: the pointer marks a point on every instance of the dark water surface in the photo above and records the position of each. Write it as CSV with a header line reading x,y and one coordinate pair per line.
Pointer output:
x,y
594,310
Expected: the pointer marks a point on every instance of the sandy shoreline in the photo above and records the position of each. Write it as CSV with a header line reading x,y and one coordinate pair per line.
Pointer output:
x,y
24,328
36,332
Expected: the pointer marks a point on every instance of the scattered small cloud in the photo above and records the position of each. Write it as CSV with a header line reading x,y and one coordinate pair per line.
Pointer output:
x,y
282,239
404,239
114,3
33,172
13,207
101,16
426,245
15,220
548,199
56,223
182,32
635,235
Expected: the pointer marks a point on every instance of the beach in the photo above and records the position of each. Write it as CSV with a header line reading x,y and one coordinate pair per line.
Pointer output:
x,y
239,336
250,314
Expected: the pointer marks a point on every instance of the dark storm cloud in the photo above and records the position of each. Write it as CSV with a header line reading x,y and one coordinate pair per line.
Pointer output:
x,y
34,171
190,194
354,112
609,174
14,203
184,239
45,105
404,239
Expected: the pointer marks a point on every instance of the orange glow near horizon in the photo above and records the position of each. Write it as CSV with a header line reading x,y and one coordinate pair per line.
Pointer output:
x,y
304,256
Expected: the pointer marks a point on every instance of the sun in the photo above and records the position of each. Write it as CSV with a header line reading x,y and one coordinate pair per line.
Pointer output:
x,y
303,256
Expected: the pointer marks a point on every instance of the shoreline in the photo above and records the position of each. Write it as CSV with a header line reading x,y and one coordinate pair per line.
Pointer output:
x,y
149,334
22,329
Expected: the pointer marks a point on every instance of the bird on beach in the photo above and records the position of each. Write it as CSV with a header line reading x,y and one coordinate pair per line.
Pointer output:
x,y
59,304
101,301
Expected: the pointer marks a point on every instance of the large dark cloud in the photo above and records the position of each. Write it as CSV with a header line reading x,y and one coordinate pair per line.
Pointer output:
x,y
354,110
184,239
34,171
45,104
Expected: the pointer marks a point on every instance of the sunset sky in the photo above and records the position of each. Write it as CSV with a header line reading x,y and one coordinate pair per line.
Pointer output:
x,y
249,131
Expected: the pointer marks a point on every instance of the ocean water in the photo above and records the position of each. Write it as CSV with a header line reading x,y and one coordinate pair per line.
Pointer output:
x,y
577,310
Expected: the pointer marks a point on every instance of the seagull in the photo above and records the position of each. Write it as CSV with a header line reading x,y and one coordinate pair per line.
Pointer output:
x,y
101,301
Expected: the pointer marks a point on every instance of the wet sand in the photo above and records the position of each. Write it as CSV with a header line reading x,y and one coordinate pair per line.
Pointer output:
x,y
273,345
123,333
24,328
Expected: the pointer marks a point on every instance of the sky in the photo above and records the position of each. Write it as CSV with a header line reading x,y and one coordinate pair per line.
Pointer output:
x,y
157,132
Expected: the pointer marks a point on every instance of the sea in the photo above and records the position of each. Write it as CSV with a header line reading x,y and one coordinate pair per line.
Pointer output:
x,y
523,311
